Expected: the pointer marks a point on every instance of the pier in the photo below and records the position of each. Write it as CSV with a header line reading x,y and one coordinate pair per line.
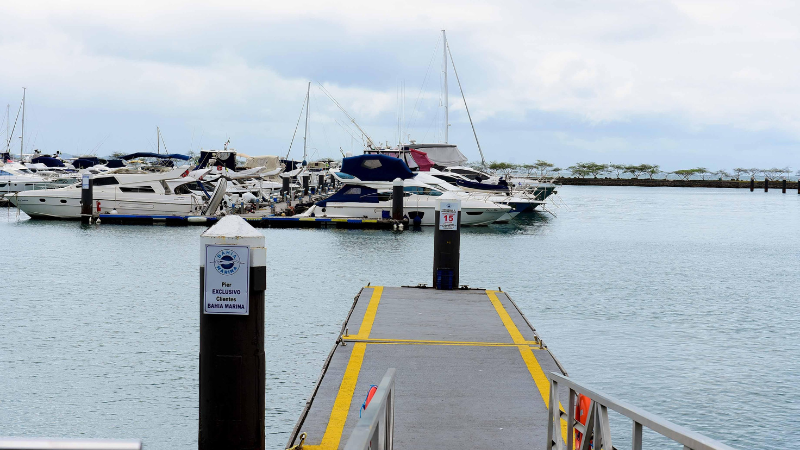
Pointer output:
x,y
470,371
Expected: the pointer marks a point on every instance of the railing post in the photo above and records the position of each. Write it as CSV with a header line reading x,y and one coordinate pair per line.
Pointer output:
x,y
233,278
571,419
636,444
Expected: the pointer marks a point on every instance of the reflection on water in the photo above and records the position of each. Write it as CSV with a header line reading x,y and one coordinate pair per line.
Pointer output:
x,y
682,301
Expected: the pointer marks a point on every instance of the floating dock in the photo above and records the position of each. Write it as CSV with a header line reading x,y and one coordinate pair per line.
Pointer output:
x,y
470,371
255,221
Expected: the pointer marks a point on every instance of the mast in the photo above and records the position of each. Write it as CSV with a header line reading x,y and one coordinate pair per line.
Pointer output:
x,y
158,141
305,134
444,70
22,134
8,123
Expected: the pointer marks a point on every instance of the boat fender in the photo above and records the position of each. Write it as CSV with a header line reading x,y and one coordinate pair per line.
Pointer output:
x,y
370,393
581,413
98,206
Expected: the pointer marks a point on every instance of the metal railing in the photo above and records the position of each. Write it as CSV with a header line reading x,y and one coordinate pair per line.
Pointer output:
x,y
375,428
64,444
597,431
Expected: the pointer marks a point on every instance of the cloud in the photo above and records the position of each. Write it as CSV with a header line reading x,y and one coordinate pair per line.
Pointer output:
x,y
608,69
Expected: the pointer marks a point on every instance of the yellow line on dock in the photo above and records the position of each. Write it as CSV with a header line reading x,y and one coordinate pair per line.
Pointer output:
x,y
430,342
341,406
539,377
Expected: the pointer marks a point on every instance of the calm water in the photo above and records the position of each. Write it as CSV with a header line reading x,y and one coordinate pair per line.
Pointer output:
x,y
682,301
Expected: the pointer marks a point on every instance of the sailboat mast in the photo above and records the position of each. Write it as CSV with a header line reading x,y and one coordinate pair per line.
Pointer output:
x,y
446,102
158,141
305,134
8,131
22,134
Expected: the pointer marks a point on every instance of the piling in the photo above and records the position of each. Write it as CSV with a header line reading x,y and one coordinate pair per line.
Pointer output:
x,y
766,184
305,184
320,183
285,188
233,278
783,186
397,199
87,197
447,242
752,184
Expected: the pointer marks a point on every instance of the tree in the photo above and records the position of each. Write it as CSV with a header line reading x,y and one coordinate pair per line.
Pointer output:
x,y
722,174
753,172
635,171
118,155
739,171
528,168
590,168
503,168
702,171
542,167
617,169
556,171
651,170
685,174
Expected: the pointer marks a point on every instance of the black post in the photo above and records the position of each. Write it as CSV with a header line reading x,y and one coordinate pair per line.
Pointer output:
x,y
232,368
320,183
397,199
783,190
87,198
285,188
766,184
305,184
446,243
752,184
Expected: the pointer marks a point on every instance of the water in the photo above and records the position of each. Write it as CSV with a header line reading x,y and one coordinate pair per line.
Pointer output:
x,y
681,301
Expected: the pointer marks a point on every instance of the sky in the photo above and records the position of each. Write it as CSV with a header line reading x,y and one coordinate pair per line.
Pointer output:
x,y
676,83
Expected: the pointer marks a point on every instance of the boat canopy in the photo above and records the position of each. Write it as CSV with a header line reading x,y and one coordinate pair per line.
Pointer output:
x,y
268,162
5,157
444,155
155,155
352,194
372,167
421,158
48,161
115,163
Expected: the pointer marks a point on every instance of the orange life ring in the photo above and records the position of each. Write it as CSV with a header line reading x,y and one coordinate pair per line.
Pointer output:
x,y
581,414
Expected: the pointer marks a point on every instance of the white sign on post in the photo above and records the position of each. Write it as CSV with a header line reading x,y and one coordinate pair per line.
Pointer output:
x,y
448,215
85,184
227,280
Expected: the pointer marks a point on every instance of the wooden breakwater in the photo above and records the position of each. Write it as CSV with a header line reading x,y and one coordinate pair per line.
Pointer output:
x,y
644,182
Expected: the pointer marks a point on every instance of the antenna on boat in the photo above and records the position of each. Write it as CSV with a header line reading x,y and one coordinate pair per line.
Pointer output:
x,y
22,135
444,70
483,161
305,135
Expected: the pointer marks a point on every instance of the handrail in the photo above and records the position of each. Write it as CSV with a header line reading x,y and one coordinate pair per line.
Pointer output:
x,y
375,428
597,426
9,443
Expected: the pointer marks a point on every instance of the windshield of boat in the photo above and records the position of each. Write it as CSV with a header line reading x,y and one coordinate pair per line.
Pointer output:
x,y
417,190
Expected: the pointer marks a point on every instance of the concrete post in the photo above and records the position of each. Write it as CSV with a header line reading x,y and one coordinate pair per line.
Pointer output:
x,y
397,199
233,278
783,186
447,242
87,197
752,184
766,184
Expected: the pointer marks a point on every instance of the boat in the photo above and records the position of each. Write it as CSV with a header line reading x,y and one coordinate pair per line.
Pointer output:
x,y
366,192
118,193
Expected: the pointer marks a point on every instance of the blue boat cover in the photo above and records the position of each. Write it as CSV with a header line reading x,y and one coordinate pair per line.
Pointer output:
x,y
222,157
482,186
48,161
115,163
84,163
155,155
376,168
352,194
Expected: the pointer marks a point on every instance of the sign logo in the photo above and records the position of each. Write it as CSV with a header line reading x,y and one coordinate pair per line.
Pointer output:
x,y
227,262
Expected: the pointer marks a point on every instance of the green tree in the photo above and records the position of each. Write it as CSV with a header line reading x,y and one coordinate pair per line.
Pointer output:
x,y
702,171
754,172
502,168
618,169
722,174
685,174
542,167
589,168
579,170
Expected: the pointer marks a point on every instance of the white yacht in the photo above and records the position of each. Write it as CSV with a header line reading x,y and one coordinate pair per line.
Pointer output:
x,y
15,177
117,193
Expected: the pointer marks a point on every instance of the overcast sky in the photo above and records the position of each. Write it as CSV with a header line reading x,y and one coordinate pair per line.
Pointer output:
x,y
675,83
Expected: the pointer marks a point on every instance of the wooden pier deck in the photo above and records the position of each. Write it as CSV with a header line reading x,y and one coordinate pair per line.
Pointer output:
x,y
471,372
